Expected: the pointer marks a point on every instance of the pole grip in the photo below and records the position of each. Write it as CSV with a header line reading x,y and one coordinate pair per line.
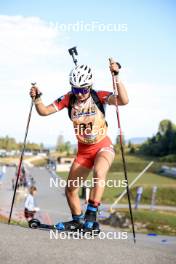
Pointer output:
x,y
38,95
111,60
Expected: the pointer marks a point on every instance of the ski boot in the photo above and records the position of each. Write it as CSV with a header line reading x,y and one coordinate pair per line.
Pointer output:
x,y
73,225
91,226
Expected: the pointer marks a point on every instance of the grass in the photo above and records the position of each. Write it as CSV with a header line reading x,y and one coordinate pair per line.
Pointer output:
x,y
63,174
166,192
40,162
10,160
15,160
159,222
4,219
136,163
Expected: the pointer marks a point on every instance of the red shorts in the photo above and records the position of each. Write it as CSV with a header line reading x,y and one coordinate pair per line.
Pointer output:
x,y
87,153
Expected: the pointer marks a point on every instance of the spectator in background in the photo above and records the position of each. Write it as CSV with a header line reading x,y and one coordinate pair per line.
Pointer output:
x,y
2,173
29,207
13,184
1,176
4,170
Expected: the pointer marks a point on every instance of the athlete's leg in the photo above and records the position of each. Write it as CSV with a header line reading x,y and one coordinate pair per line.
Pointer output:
x,y
103,161
77,172
102,164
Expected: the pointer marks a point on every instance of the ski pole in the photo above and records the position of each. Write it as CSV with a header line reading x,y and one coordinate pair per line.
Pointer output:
x,y
73,52
21,157
115,83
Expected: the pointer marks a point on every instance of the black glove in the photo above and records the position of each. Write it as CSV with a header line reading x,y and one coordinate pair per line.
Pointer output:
x,y
117,72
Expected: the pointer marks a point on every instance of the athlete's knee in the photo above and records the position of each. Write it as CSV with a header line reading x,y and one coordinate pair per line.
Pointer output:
x,y
67,190
70,191
99,173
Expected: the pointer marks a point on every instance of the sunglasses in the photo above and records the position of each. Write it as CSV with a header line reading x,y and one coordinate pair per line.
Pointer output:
x,y
80,90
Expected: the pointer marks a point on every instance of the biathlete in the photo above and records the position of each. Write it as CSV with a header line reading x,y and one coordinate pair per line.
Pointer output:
x,y
95,149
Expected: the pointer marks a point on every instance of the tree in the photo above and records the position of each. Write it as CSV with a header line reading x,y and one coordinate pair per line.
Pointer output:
x,y
164,125
8,143
132,150
129,144
60,145
163,143
68,147
41,147
118,139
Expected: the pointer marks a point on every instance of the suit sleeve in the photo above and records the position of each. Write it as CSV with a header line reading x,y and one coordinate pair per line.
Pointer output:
x,y
61,102
104,96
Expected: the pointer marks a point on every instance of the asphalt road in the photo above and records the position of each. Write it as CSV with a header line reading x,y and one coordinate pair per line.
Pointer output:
x,y
50,198
22,245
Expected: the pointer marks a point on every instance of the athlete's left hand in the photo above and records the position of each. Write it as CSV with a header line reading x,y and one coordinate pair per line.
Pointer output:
x,y
115,67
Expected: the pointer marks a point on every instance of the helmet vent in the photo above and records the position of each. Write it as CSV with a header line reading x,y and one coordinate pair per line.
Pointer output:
x,y
81,76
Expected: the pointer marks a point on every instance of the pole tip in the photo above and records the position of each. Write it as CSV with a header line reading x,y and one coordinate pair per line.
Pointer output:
x,y
111,60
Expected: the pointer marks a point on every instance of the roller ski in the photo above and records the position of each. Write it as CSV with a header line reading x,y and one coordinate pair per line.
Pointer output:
x,y
78,224
70,226
36,224
81,224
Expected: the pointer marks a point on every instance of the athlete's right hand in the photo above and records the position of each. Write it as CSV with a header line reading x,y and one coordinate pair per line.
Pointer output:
x,y
34,91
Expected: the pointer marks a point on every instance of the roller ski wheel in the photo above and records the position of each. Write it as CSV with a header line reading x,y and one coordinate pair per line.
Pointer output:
x,y
36,224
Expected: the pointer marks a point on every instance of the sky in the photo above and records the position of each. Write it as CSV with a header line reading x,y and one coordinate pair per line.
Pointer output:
x,y
34,41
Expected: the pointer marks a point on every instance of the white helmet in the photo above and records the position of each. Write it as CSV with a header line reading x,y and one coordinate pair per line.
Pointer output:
x,y
81,76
